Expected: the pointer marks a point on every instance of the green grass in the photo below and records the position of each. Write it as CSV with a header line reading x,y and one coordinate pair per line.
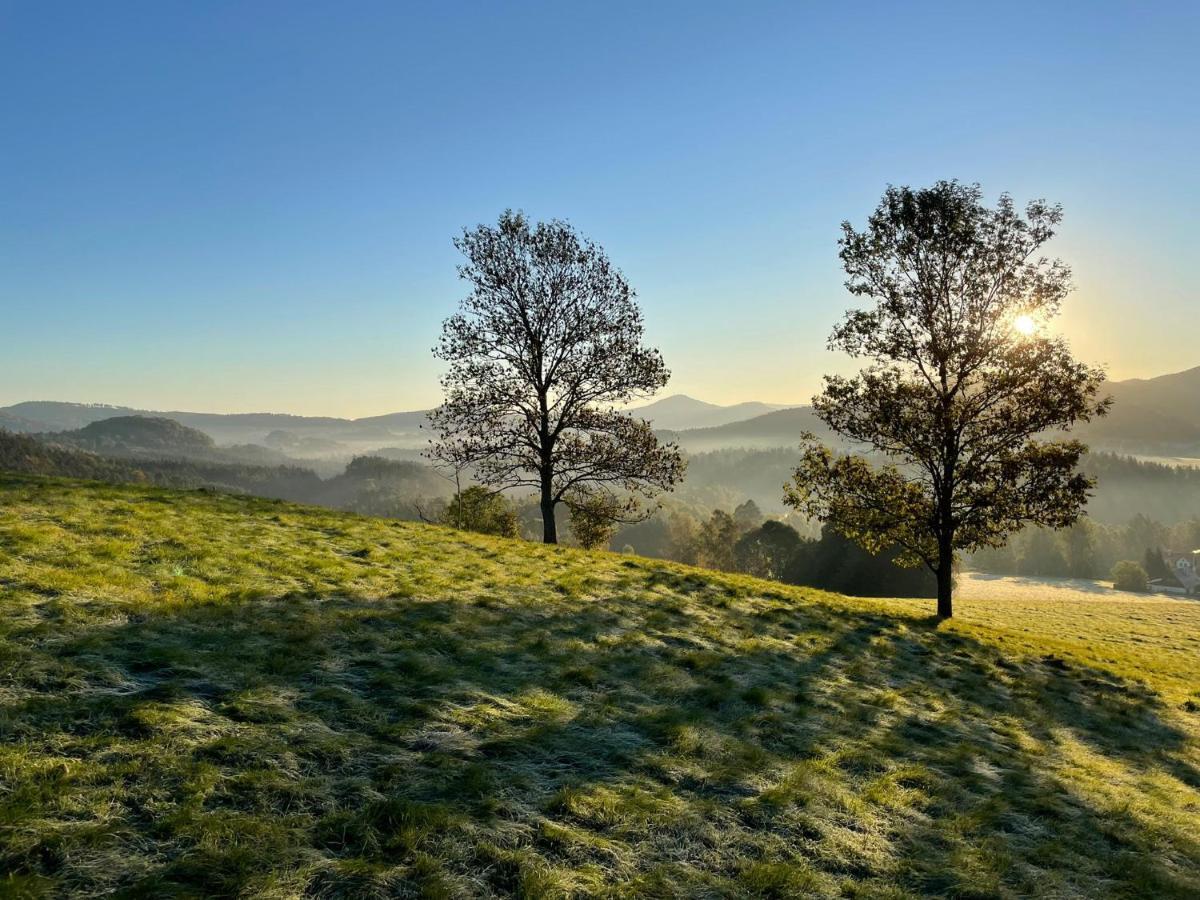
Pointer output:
x,y
203,695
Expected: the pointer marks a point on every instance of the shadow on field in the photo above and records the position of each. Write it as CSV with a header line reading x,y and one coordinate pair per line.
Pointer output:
x,y
353,747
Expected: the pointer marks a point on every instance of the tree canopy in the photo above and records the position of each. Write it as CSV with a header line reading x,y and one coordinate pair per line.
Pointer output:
x,y
543,352
962,380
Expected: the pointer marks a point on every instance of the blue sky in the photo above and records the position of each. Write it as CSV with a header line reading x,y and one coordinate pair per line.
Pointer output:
x,y
249,206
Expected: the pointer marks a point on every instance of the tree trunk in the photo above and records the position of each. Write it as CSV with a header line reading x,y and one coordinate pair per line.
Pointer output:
x,y
549,528
945,581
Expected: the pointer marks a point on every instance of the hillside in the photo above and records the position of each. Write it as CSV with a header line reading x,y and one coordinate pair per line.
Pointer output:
x,y
214,695
23,454
18,424
680,411
782,428
1151,416
222,427
133,434
157,438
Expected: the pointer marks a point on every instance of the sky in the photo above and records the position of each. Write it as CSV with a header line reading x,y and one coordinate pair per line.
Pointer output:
x,y
249,206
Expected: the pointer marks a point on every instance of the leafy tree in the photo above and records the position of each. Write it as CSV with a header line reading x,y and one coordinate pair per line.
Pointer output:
x,y
1188,537
748,515
649,537
998,560
765,551
836,563
1143,533
683,538
1043,556
594,517
478,509
545,346
1155,565
1079,548
1127,575
715,540
961,376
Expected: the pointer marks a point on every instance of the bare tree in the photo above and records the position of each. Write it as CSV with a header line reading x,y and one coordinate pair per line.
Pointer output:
x,y
542,351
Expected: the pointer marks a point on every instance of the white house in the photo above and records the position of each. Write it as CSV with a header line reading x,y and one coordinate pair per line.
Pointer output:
x,y
1185,567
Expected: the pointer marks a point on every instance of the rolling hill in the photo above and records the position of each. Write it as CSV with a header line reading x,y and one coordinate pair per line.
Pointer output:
x,y
680,411
232,428
27,455
782,428
1155,416
208,695
134,434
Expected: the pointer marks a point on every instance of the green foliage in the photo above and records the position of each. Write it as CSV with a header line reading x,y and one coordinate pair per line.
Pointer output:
x,y
1127,575
1080,551
207,695
133,433
594,517
708,543
1156,566
1090,549
836,563
1043,555
953,397
376,486
748,515
765,551
24,454
542,352
478,509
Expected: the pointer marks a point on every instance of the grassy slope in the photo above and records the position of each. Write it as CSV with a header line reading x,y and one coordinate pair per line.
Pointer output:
x,y
217,696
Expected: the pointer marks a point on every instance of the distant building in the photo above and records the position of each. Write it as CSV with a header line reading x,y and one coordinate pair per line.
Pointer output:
x,y
1185,566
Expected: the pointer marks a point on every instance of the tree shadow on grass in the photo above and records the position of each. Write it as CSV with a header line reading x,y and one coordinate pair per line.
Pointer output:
x,y
724,745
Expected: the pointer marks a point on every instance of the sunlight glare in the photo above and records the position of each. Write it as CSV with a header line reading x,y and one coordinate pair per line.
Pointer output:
x,y
1024,324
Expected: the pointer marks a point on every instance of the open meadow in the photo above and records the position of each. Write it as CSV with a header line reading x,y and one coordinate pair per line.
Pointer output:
x,y
205,695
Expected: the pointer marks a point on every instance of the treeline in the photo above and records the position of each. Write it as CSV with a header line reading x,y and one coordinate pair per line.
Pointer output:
x,y
1167,493
1089,549
786,550
369,485
705,525
26,455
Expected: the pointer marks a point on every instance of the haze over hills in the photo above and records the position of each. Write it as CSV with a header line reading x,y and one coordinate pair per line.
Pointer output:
x,y
1152,416
680,411
1162,412
781,428
224,428
400,429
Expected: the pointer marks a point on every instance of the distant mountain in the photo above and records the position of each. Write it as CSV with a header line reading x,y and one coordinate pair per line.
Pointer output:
x,y
314,435
781,428
1151,415
230,428
157,438
679,411
29,455
19,425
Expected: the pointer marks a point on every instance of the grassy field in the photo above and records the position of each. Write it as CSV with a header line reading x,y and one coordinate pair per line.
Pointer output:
x,y
203,695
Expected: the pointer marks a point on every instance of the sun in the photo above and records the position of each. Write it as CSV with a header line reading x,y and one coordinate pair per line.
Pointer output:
x,y
1024,324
